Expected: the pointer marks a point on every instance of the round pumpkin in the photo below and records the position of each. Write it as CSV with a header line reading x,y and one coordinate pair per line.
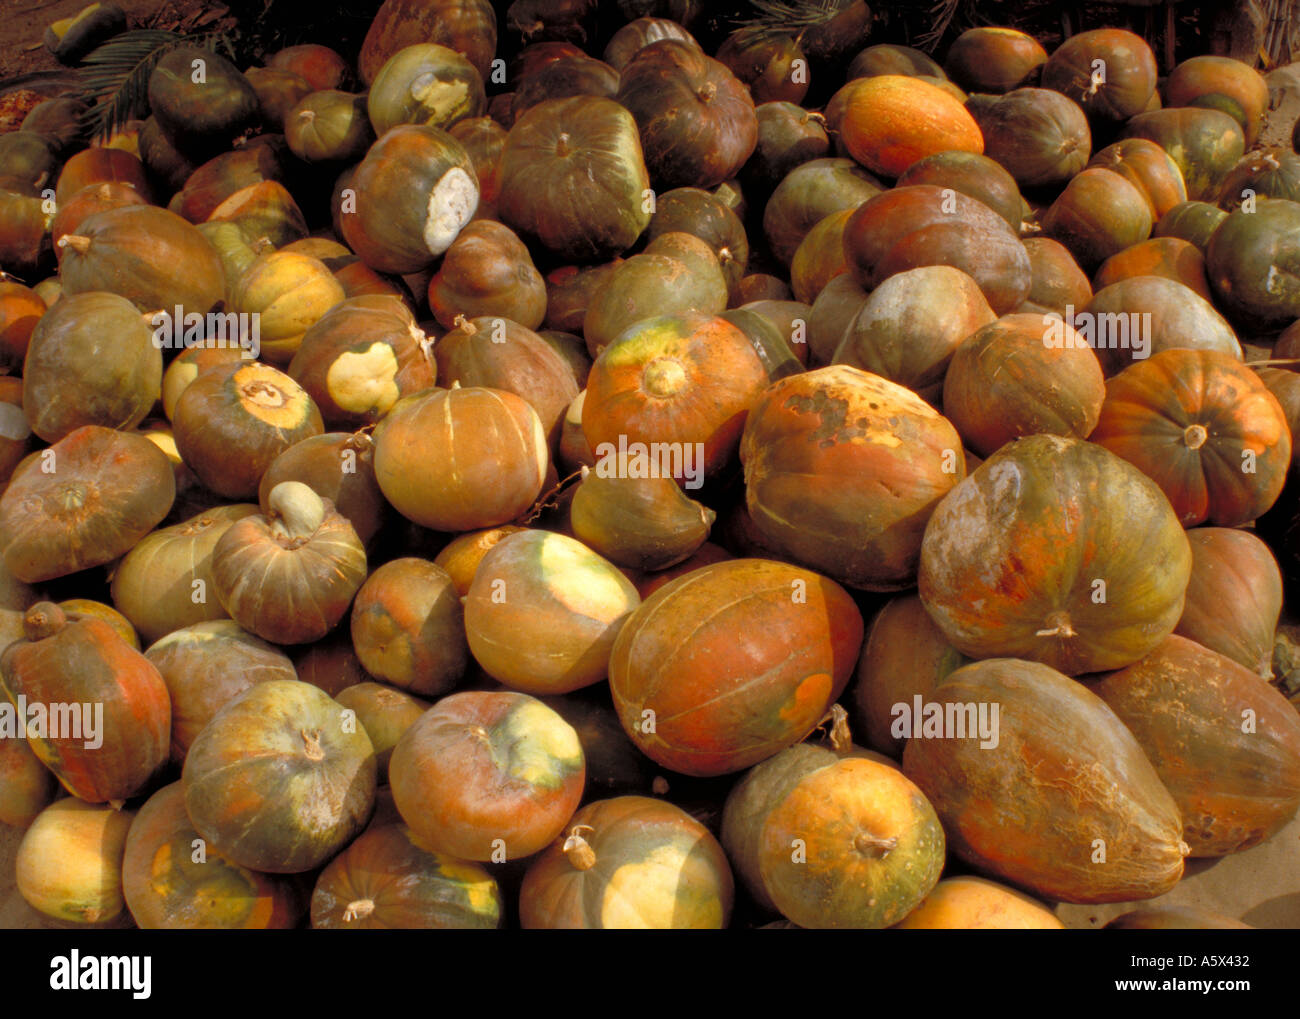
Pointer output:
x,y
972,174
788,135
1099,214
1058,284
85,203
1253,261
1150,168
631,38
644,523
562,78
1169,257
200,99
336,466
1206,145
1039,136
698,212
385,714
69,863
321,67
328,126
808,194
1192,221
774,67
466,26
21,308
1110,72
973,903
996,60
1221,83
425,84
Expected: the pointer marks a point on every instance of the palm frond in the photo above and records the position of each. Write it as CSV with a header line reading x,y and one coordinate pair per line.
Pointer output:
x,y
785,17
942,13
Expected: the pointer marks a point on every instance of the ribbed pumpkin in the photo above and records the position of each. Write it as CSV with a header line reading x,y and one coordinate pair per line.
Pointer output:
x,y
1150,168
328,126
698,212
1221,83
808,194
972,174
100,166
973,903
1063,803
1192,221
466,26
264,210
842,469
1268,173
200,112
288,293
1205,429
695,700
386,881
1044,553
1225,744
1252,263
629,863
104,717
562,78
339,467
1099,214
996,60
69,863
1114,90
1170,257
890,121
1039,136
788,135
1206,145
171,880
487,776
276,782
891,58
425,84
85,203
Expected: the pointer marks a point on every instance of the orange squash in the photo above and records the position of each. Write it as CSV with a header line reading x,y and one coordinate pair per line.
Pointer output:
x,y
890,121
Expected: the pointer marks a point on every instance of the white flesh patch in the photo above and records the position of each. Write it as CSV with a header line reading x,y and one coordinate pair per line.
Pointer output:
x,y
452,203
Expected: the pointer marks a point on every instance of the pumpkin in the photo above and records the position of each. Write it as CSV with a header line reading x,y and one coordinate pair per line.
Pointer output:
x,y
339,467
330,664
91,360
25,244
170,883
808,194
1252,263
100,166
1175,918
360,357
1169,257
276,781
278,91
1205,429
1113,90
76,662
543,611
909,327
487,776
26,786
997,60
20,310
207,665
973,903
819,257
318,65
385,714
681,382
574,179
466,26
1150,168
485,140
16,439
29,161
921,225
69,863
1192,221
412,194
234,419
386,880
1235,783
59,120
568,294
85,203
263,212
562,78
630,862
867,844
1078,534
461,459
289,576
698,212
425,84
696,119
972,174
782,337
108,490
221,176
631,38
160,154
408,627
1221,83
488,271
788,135
186,366
774,67
1039,136
1267,173
1285,385
890,121
1058,284
695,700
1206,145
133,251
1110,832
98,610
200,113
892,59
1099,214
329,126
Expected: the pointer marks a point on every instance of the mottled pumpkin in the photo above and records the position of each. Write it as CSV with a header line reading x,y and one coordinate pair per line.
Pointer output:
x,y
1112,91
1039,136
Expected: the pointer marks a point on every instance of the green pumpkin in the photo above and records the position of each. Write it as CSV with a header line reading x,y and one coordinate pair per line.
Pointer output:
x,y
425,84
201,100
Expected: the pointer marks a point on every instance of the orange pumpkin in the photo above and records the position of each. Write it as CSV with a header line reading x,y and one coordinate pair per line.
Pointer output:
x,y
892,120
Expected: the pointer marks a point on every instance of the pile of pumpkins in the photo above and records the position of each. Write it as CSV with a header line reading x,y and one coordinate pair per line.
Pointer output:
x,y
454,491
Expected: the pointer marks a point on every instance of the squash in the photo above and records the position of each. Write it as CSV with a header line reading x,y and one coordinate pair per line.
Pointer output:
x,y
808,194
1221,83
820,448
85,203
26,786
171,880
781,336
92,360
408,627
329,126
1109,832
1099,214
321,67
1192,221
634,36
487,271
386,880
466,26
1077,534
462,555
695,700
1058,284
59,120
1150,168
207,665
1267,173
222,176
289,576
425,84
1113,90
1206,145
21,308
1226,745
201,114
568,293
1252,263
101,166
890,121
159,153
276,782
461,459
1175,918
543,612
278,91
630,862
973,903
1039,136
561,79
25,245
892,59
978,176
385,714
788,136
1169,257
996,60
698,212
108,490
909,327
69,863
487,776
28,162
330,664
485,140
16,439
263,212
78,662
288,293
820,257
338,467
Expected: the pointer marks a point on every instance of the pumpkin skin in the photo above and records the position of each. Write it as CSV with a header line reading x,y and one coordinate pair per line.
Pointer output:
x,y
629,40
100,166
698,212
165,888
1150,168
695,701
788,136
20,310
466,26
910,326
1268,173
1049,728
680,379
339,467
1205,429
16,439
385,714
1125,87
329,126
263,211
1099,214
1253,261
810,193
414,192
1080,515
385,881
461,459
110,490
69,863
1185,705
200,117
1039,136
642,523
1175,918
25,244
425,84
829,442
220,177
82,660
972,174
909,227
462,555
408,627
1058,282
133,251
276,782
890,121
321,67
1221,83
207,665
277,93
1206,145
630,862
767,67
972,903
562,78
1191,221
26,786
85,203
1170,257
482,775
488,271
994,60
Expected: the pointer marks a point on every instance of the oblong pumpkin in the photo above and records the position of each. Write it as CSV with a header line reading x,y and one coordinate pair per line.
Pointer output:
x,y
892,120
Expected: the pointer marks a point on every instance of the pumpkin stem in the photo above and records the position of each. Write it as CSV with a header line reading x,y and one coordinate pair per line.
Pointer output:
x,y
117,804
707,91
840,736
562,144
1194,436
464,325
358,909
296,511
311,745
44,619
1058,626
1184,849
578,849
659,786
725,256
307,116
874,845
663,377
76,242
